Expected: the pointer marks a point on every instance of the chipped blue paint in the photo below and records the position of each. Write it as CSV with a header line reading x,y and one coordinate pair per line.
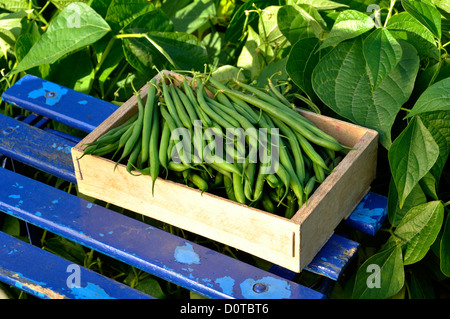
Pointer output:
x,y
185,254
14,196
370,214
38,214
91,291
50,91
16,185
89,205
55,201
226,284
83,102
276,288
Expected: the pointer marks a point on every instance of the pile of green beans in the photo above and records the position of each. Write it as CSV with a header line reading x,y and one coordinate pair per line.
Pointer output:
x,y
207,110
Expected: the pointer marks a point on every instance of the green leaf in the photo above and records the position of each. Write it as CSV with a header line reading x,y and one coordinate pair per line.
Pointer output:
x,y
395,213
382,53
61,4
299,22
158,47
151,287
322,4
404,26
428,185
426,13
237,25
11,225
77,26
121,12
193,16
80,78
341,81
268,26
419,229
411,156
301,62
349,24
435,98
251,58
381,276
445,248
14,5
438,124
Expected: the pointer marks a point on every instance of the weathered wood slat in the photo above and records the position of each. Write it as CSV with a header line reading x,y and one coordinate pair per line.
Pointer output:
x,y
36,148
59,103
165,255
48,276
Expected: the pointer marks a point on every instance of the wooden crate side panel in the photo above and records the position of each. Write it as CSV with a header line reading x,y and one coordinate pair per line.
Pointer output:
x,y
346,133
257,232
336,198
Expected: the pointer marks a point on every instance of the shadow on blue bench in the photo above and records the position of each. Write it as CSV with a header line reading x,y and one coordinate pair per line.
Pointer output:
x,y
45,275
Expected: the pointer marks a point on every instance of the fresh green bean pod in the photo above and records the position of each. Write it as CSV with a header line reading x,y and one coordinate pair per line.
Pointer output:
x,y
153,148
163,145
147,120
181,110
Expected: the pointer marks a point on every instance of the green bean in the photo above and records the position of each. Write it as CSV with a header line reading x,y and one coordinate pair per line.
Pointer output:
x,y
134,155
238,189
222,111
199,182
259,185
267,204
137,131
172,126
311,152
291,206
170,105
295,149
147,120
309,187
278,94
181,111
249,178
218,179
178,167
290,117
206,121
163,145
187,104
115,133
106,149
320,173
153,149
228,184
272,180
207,109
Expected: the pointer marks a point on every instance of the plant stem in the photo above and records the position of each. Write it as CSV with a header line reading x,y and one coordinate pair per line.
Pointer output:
x,y
391,7
159,48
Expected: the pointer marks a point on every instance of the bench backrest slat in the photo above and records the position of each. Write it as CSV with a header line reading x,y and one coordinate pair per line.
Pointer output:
x,y
59,103
51,277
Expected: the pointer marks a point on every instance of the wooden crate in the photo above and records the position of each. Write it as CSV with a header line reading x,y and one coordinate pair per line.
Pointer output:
x,y
291,243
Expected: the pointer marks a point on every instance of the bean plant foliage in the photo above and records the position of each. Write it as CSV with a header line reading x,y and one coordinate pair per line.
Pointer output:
x,y
376,63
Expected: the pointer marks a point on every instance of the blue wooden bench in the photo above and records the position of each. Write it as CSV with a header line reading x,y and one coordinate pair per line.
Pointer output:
x,y
172,258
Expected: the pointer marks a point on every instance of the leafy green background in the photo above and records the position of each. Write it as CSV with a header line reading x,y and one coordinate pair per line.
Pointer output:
x,y
380,64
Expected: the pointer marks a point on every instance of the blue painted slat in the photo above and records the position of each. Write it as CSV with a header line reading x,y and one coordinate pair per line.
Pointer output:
x,y
334,256
370,214
36,148
167,256
46,275
58,103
